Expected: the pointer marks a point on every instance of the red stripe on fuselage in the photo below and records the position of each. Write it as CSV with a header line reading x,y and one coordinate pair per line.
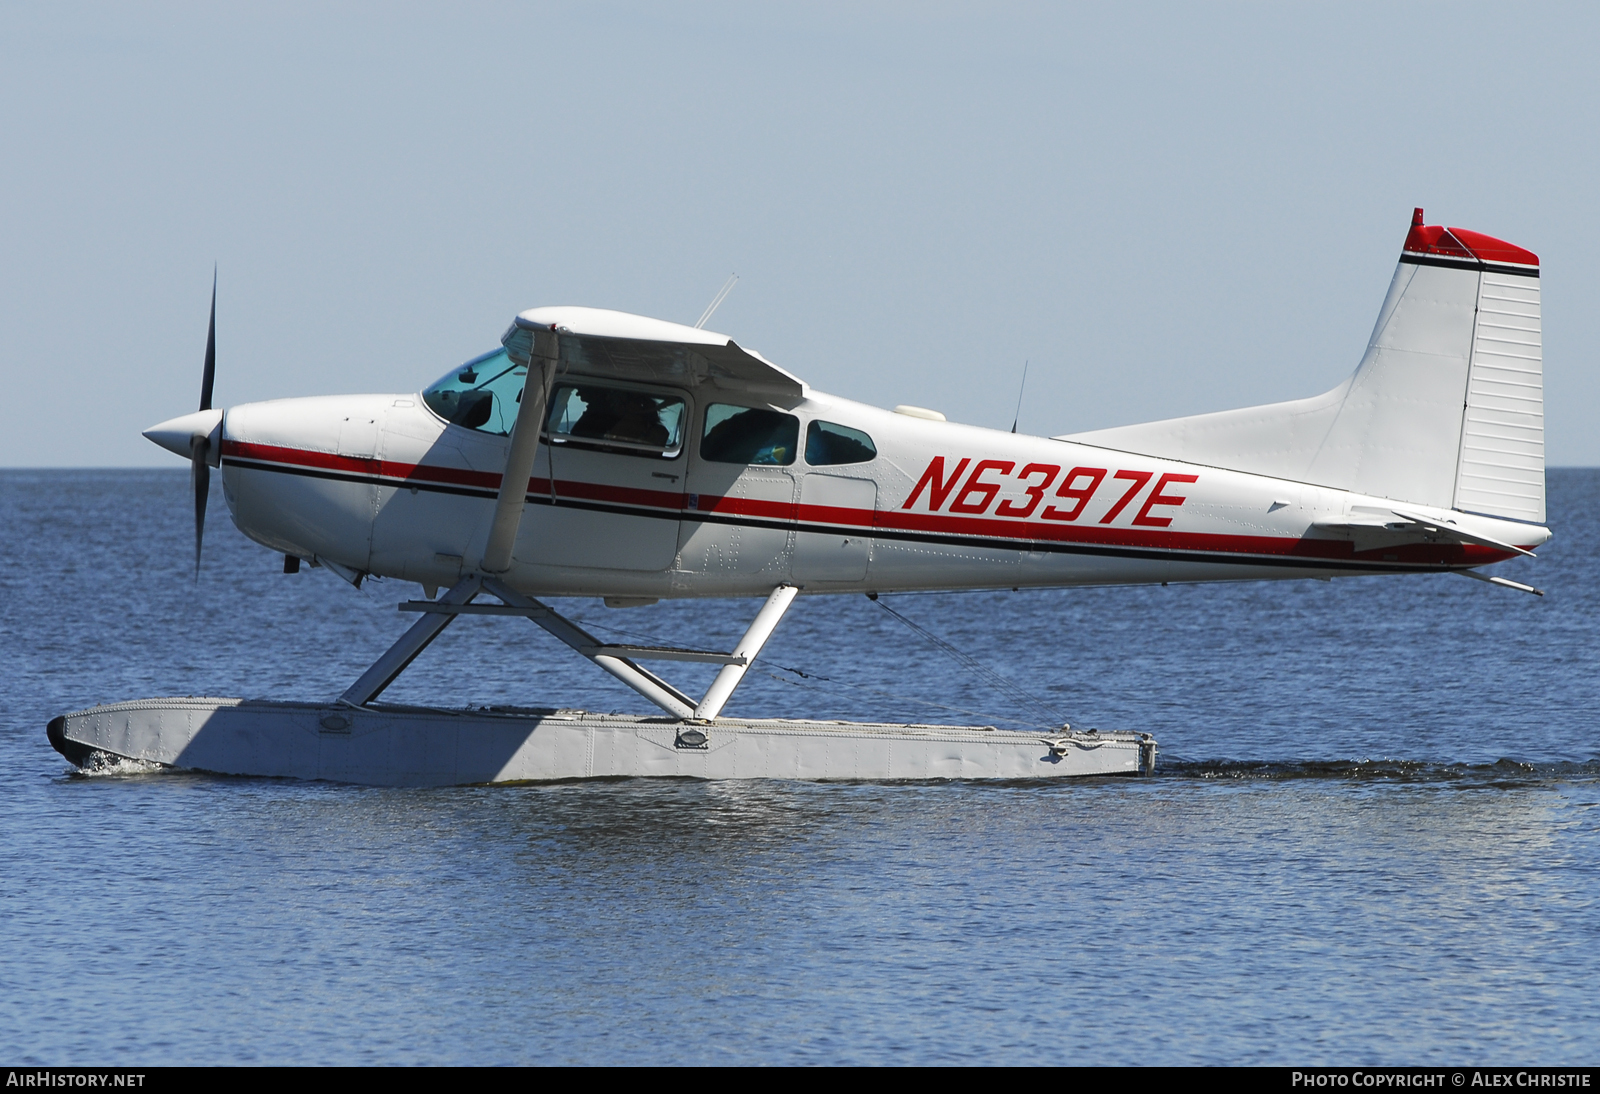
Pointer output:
x,y
1018,531
361,465
403,473
617,495
1210,542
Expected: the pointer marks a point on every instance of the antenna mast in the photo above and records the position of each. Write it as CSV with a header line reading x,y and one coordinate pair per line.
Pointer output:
x,y
1017,416
722,294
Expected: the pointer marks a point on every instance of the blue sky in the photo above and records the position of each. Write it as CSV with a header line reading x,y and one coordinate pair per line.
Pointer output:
x,y
1166,209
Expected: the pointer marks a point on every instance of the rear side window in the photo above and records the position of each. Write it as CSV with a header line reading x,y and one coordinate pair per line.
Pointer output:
x,y
742,434
830,443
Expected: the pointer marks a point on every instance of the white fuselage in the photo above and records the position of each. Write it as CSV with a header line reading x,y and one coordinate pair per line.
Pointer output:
x,y
379,484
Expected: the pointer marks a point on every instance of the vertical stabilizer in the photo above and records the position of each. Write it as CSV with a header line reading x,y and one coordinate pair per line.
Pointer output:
x,y
1446,408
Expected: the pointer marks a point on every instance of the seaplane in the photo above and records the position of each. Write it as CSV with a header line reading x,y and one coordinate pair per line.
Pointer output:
x,y
594,453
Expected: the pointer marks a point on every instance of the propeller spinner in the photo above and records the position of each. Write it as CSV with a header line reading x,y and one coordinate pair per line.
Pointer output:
x,y
199,435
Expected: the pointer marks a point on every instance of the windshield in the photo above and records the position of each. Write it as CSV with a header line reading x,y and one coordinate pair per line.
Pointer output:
x,y
482,394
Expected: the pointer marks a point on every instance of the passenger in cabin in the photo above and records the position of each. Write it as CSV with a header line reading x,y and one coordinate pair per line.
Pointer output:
x,y
639,422
738,434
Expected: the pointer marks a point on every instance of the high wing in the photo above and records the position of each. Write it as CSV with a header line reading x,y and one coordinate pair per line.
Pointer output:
x,y
618,346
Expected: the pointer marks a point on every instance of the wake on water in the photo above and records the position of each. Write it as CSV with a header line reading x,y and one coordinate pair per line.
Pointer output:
x,y
100,764
1504,772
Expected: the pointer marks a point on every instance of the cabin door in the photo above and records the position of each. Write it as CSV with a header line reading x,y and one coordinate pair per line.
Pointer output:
x,y
608,481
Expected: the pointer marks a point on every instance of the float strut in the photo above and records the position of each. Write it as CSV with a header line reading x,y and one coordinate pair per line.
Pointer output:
x,y
749,646
414,641
646,683
615,659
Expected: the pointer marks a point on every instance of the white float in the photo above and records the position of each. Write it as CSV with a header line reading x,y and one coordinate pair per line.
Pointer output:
x,y
383,745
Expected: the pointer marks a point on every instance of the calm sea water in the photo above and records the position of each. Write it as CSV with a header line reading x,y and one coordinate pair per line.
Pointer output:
x,y
1373,838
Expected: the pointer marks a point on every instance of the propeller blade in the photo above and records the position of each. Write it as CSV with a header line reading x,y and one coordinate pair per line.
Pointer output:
x,y
200,479
208,377
200,446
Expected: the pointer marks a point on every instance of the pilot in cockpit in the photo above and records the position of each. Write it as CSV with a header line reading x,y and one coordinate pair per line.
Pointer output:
x,y
628,416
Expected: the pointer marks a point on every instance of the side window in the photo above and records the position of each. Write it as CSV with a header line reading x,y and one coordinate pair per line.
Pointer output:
x,y
742,434
615,419
829,443
482,394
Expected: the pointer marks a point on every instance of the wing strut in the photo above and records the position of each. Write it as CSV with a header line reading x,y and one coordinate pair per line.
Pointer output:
x,y
524,447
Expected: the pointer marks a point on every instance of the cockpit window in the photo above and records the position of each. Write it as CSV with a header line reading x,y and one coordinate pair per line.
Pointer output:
x,y
742,434
482,394
641,423
830,443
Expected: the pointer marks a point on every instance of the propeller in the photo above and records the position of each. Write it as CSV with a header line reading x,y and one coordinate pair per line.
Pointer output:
x,y
200,443
198,436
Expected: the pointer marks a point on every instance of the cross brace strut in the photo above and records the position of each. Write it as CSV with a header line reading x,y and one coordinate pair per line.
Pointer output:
x,y
616,659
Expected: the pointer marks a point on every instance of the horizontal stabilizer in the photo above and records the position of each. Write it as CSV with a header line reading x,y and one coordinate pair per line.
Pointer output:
x,y
1372,530
1448,531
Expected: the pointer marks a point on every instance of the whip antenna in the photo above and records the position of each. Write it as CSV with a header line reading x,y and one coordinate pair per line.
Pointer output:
x,y
1015,417
722,294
